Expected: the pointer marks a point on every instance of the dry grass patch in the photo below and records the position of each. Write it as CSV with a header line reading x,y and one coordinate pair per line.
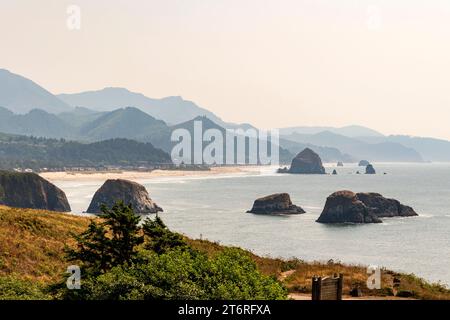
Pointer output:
x,y
32,249
32,242
297,275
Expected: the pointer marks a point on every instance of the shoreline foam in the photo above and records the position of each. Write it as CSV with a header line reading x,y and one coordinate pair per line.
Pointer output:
x,y
140,175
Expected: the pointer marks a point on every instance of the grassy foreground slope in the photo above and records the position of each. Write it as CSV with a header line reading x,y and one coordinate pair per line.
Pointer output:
x,y
32,257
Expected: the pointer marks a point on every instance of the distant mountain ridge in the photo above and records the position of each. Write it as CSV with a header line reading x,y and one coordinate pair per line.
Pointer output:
x,y
172,110
132,123
35,123
352,131
432,149
38,153
28,109
22,95
380,151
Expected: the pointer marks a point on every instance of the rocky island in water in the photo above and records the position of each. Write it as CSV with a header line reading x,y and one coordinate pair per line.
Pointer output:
x,y
129,192
349,207
29,190
306,162
279,203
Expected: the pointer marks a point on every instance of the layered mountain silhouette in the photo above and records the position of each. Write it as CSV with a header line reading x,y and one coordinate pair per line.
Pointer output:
x,y
348,131
38,153
172,110
35,123
430,148
380,151
130,123
28,109
21,95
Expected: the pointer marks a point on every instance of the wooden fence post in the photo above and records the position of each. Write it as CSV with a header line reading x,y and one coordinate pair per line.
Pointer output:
x,y
328,288
316,287
340,286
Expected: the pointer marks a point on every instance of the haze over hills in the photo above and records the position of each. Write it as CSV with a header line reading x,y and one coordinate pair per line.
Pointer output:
x,y
79,116
352,131
380,151
130,123
21,95
432,149
119,113
172,110
38,153
35,123
285,156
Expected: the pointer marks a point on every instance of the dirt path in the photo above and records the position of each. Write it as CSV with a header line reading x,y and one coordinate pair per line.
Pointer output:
x,y
307,296
285,274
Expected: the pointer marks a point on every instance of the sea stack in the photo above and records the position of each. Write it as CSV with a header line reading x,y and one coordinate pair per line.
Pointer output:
x,y
385,207
129,192
334,171
279,203
307,162
363,163
29,190
340,164
345,207
349,207
370,169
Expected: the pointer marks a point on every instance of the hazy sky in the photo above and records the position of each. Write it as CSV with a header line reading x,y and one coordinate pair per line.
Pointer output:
x,y
382,64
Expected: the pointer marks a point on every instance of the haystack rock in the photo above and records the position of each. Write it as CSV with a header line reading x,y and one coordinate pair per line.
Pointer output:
x,y
345,207
29,190
363,163
349,207
307,162
129,192
279,203
370,169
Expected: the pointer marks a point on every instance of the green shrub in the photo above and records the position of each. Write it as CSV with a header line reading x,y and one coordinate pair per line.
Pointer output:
x,y
117,267
12,288
183,274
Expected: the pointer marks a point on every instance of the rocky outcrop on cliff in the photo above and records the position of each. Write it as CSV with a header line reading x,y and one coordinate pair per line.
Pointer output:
x,y
370,169
29,190
129,192
307,162
279,203
349,207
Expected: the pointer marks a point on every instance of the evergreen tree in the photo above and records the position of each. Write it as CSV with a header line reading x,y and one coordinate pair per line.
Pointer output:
x,y
108,243
161,239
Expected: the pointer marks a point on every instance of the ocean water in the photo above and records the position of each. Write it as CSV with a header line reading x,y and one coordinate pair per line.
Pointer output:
x,y
214,208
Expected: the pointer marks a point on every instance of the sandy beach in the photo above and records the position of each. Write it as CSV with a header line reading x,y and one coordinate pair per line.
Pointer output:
x,y
135,175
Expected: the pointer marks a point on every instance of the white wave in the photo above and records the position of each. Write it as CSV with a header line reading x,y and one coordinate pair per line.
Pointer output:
x,y
425,216
312,208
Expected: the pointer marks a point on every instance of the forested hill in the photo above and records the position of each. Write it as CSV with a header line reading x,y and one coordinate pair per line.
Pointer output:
x,y
38,153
